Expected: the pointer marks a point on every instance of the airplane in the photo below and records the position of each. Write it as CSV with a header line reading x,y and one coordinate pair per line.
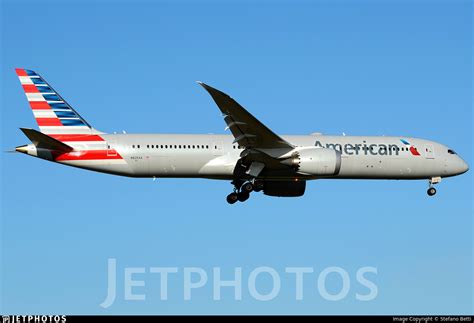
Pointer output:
x,y
253,158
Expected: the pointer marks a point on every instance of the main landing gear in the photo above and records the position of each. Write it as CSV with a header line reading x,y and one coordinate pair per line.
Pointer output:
x,y
431,190
237,196
242,190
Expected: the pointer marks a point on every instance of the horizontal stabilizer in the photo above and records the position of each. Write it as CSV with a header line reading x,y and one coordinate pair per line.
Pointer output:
x,y
40,140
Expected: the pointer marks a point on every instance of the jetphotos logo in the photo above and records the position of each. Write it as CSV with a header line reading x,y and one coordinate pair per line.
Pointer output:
x,y
259,284
412,149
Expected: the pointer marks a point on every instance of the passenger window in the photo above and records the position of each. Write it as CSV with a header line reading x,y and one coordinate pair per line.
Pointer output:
x,y
166,146
147,146
133,146
175,146
207,146
138,146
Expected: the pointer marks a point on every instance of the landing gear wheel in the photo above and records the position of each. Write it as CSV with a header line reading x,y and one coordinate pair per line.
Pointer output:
x,y
247,187
243,196
232,198
431,191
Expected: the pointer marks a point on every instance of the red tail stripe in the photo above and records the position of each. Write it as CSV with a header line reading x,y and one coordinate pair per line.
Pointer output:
x,y
20,72
79,137
30,88
39,105
90,155
45,122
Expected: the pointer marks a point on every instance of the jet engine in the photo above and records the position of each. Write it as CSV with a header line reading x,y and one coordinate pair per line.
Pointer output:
x,y
315,161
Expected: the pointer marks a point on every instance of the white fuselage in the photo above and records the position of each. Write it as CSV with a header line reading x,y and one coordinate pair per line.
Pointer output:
x,y
215,156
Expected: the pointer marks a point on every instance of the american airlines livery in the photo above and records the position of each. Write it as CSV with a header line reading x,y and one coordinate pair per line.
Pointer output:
x,y
254,158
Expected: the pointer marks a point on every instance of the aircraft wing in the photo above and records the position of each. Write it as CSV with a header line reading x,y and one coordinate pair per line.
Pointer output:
x,y
247,130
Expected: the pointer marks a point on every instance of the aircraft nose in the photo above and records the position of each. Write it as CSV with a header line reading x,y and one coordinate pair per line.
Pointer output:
x,y
464,167
460,166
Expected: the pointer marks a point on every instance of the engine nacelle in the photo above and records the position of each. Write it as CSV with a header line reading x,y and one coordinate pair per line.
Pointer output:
x,y
284,188
315,161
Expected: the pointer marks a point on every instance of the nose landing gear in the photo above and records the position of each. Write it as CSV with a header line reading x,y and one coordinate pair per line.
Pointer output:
x,y
431,190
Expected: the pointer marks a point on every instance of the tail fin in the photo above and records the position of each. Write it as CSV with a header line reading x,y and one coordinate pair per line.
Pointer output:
x,y
52,113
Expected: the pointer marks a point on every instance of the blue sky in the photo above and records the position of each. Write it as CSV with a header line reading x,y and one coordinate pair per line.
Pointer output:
x,y
359,67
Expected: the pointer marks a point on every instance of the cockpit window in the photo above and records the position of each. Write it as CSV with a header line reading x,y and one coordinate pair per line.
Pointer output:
x,y
452,152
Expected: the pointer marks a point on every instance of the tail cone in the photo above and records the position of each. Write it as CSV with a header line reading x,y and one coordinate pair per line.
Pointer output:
x,y
22,149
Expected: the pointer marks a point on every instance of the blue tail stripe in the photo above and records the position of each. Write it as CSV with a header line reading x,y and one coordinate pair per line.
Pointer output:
x,y
72,122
